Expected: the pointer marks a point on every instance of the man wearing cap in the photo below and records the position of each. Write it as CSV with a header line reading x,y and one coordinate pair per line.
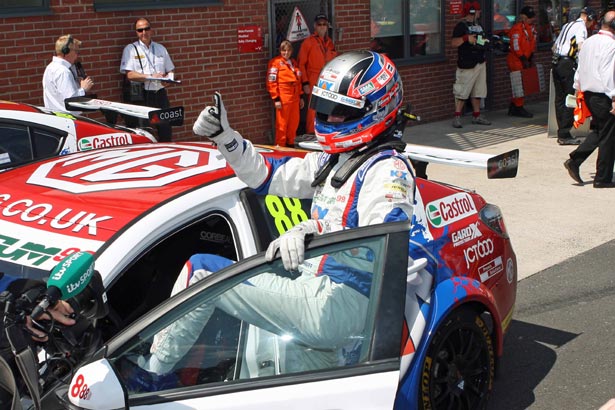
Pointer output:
x,y
522,46
565,52
471,74
316,50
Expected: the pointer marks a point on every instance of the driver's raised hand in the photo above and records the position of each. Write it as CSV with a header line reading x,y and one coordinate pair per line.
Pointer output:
x,y
212,121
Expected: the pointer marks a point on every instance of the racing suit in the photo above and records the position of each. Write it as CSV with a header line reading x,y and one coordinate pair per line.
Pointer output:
x,y
284,85
522,46
315,52
381,190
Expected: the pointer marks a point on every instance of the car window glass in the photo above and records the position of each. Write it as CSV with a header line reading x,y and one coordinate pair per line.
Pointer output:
x,y
46,144
15,146
264,322
273,215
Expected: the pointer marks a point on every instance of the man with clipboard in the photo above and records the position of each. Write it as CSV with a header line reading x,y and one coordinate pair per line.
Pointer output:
x,y
148,62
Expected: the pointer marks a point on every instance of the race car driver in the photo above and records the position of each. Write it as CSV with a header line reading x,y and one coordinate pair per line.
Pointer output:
x,y
360,179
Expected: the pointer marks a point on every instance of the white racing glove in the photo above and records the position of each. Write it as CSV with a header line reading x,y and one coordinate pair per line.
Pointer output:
x,y
292,243
212,121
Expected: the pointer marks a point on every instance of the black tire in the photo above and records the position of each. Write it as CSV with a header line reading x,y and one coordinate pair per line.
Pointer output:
x,y
459,367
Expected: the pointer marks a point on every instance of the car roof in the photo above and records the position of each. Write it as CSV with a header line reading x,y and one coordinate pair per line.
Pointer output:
x,y
85,128
84,199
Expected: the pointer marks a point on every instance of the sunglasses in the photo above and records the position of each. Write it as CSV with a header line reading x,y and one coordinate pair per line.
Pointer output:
x,y
322,24
141,30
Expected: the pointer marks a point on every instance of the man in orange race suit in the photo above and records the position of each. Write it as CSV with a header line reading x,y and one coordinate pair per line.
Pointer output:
x,y
316,50
522,46
284,86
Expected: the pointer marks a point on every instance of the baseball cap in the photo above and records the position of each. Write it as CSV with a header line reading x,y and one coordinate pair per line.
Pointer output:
x,y
528,11
321,16
471,7
591,13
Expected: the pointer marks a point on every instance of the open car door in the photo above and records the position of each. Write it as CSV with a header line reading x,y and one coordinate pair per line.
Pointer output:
x,y
243,352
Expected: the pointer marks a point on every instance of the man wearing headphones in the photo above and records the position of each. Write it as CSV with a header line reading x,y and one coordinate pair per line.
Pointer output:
x,y
565,52
59,80
471,75
595,77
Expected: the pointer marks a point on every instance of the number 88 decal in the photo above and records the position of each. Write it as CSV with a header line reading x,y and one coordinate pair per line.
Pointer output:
x,y
280,208
80,388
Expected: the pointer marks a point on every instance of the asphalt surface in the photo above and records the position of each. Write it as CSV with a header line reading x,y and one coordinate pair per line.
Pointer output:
x,y
559,353
549,217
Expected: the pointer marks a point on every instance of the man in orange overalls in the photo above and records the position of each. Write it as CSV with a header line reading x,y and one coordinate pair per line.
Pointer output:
x,y
316,50
522,46
284,86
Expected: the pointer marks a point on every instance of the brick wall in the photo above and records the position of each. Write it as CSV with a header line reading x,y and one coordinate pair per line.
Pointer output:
x,y
203,44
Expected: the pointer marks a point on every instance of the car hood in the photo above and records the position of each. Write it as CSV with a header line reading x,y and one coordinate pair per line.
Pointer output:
x,y
80,201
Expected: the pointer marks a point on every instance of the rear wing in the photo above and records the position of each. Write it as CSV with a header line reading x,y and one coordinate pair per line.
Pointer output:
x,y
174,115
499,166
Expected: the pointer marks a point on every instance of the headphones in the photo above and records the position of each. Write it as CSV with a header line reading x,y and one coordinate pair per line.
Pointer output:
x,y
66,47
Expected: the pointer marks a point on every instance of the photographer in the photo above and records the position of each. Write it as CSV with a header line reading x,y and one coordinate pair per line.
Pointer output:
x,y
60,313
471,74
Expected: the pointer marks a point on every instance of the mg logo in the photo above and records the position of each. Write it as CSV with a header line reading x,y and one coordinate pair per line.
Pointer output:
x,y
125,168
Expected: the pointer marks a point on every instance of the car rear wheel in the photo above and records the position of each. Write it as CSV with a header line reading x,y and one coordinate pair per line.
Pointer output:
x,y
458,370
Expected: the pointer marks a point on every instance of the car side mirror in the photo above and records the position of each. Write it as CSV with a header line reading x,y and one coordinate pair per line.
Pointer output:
x,y
96,386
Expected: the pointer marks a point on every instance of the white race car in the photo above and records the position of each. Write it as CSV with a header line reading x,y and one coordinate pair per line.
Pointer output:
x,y
143,210
28,132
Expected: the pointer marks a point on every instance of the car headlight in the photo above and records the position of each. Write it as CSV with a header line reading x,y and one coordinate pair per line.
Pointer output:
x,y
492,217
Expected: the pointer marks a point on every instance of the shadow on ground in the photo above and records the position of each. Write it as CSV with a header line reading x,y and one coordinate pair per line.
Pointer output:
x,y
529,357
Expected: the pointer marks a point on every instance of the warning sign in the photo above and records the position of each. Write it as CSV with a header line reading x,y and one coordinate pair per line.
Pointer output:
x,y
298,28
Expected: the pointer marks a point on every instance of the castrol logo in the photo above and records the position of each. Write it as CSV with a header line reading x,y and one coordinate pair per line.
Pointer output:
x,y
450,209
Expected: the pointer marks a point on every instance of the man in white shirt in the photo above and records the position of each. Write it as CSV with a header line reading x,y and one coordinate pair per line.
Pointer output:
x,y
595,77
143,60
565,51
59,81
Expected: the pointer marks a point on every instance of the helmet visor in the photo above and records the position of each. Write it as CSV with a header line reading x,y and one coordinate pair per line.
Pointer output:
x,y
329,103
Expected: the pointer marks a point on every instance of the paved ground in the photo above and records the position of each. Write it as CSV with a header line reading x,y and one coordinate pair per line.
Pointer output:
x,y
549,217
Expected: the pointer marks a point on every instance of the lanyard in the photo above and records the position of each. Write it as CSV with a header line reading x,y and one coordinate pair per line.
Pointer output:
x,y
147,56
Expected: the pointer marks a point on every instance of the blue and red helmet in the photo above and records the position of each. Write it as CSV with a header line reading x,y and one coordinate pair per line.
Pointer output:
x,y
357,98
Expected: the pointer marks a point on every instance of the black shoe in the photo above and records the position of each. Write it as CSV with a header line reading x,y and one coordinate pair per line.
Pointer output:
x,y
573,170
515,111
604,184
569,141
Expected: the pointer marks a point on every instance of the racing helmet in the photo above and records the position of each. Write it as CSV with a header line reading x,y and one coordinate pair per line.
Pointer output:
x,y
357,98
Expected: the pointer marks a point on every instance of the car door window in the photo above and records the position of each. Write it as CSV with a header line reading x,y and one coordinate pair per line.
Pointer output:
x,y
264,322
20,144
46,144
15,144
273,215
